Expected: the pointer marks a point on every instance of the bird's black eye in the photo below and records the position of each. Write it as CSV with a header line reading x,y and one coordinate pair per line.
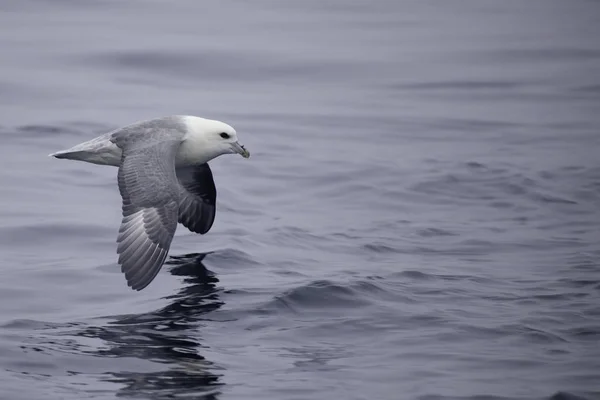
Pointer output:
x,y
224,135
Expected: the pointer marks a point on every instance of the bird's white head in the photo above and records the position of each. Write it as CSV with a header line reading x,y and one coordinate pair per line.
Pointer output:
x,y
206,139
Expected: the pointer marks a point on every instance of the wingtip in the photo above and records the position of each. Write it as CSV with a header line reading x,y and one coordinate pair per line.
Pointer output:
x,y
137,286
133,285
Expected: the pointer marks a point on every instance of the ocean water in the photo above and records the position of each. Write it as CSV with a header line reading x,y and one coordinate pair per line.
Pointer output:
x,y
420,217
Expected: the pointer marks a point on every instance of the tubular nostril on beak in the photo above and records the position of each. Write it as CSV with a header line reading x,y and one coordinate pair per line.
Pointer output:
x,y
240,149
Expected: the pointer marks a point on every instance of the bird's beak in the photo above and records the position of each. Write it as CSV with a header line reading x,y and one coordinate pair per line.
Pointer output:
x,y
240,149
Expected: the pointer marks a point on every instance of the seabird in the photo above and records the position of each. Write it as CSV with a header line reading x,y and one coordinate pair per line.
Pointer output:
x,y
163,178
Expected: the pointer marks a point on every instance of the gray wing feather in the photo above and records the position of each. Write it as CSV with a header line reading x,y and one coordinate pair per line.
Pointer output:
x,y
150,192
198,196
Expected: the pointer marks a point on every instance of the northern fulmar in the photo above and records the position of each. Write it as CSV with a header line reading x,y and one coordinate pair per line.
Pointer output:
x,y
163,178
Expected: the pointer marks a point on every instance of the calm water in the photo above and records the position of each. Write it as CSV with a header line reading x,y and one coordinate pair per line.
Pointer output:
x,y
419,218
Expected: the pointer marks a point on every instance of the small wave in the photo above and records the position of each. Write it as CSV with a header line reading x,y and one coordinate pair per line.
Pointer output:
x,y
433,232
584,332
328,295
476,183
416,275
231,256
537,335
296,235
571,396
320,294
380,248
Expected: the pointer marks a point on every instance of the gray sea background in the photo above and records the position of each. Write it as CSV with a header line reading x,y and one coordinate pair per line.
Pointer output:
x,y
420,217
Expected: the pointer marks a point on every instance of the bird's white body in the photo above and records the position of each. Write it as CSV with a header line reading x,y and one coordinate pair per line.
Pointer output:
x,y
196,147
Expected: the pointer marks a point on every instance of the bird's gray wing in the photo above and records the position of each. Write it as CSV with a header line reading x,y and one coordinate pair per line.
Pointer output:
x,y
198,197
150,193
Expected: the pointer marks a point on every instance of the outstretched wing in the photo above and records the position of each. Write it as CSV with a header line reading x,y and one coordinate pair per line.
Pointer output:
x,y
198,196
150,192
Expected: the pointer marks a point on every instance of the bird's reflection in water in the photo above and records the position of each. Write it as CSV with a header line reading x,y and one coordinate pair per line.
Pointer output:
x,y
167,336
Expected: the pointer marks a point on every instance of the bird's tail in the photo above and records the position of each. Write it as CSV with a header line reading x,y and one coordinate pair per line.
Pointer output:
x,y
96,151
68,154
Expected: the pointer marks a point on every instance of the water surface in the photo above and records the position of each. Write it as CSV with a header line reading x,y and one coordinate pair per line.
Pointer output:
x,y
418,220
